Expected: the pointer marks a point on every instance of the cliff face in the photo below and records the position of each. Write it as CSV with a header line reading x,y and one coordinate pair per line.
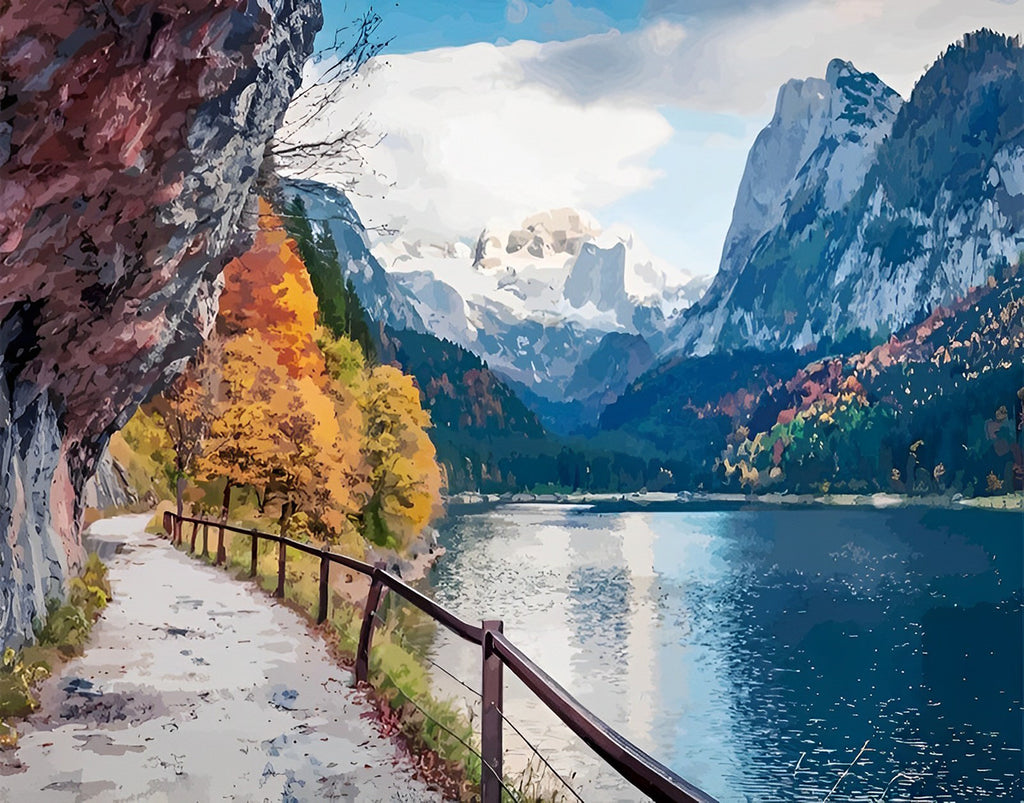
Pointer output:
x,y
809,161
900,208
131,132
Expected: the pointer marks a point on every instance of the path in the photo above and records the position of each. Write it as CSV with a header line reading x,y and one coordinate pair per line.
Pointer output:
x,y
197,687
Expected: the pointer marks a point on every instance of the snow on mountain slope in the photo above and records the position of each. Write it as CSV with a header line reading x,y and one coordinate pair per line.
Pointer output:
x,y
809,160
537,300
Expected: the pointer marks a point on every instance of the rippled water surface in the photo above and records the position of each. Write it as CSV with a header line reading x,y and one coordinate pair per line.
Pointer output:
x,y
790,655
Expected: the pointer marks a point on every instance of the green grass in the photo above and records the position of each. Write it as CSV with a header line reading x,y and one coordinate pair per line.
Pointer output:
x,y
61,636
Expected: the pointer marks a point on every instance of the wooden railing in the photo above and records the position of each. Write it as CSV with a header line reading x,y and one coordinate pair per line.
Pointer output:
x,y
644,772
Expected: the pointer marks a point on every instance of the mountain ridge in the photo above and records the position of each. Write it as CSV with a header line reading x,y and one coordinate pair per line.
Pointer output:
x,y
939,189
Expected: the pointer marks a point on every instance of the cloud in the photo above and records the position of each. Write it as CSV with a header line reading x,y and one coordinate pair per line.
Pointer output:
x,y
516,11
735,62
468,141
648,127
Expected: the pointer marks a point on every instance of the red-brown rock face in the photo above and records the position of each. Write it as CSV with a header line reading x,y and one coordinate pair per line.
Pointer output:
x,y
131,132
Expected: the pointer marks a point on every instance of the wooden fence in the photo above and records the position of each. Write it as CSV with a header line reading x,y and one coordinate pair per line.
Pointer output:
x,y
497,652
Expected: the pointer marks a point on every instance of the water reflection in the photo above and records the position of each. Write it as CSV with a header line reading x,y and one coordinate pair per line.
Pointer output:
x,y
760,653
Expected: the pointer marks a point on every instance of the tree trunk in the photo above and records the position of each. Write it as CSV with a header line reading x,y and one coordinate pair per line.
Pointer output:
x,y
287,508
226,502
179,493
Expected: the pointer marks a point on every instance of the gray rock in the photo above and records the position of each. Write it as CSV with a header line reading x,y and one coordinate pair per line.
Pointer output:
x,y
112,251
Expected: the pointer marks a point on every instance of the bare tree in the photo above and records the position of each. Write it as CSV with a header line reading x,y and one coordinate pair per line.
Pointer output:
x,y
293,151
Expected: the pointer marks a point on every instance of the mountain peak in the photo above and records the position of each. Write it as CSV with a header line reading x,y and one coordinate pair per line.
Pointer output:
x,y
839,68
834,229
800,101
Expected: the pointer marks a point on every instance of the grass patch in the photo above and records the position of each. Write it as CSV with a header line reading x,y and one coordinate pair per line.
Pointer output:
x,y
62,635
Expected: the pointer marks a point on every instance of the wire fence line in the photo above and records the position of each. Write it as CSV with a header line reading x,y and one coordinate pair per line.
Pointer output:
x,y
411,648
640,769
454,735
536,751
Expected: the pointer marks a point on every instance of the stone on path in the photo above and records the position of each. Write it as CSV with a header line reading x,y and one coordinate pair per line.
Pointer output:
x,y
198,687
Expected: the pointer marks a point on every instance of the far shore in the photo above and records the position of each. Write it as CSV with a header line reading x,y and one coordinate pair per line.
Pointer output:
x,y
686,500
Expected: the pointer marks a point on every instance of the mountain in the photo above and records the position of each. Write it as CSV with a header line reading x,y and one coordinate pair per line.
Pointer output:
x,y
329,210
864,331
535,302
859,215
602,377
475,416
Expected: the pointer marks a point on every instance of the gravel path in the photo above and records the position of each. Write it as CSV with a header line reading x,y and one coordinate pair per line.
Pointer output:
x,y
197,687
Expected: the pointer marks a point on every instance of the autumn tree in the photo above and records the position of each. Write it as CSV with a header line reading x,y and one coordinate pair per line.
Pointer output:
x,y
279,428
186,411
404,475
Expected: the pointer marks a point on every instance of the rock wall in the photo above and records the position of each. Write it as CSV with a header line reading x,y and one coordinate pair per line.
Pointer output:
x,y
109,486
131,134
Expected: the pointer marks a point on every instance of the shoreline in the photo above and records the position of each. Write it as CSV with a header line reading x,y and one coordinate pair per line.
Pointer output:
x,y
683,501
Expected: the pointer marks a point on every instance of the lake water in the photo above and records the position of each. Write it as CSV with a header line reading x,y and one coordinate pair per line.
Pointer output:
x,y
761,654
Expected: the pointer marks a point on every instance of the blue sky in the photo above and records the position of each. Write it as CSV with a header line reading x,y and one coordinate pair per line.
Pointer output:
x,y
414,25
640,113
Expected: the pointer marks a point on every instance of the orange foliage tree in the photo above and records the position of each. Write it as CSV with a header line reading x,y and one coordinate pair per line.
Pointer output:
x,y
280,428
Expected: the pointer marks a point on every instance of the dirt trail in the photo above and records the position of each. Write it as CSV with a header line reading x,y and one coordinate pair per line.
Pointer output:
x,y
197,687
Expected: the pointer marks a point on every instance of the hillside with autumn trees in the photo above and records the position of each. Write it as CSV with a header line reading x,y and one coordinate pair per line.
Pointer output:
x,y
938,408
285,420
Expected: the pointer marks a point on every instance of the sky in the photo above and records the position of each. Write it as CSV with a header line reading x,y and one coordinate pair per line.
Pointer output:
x,y
641,113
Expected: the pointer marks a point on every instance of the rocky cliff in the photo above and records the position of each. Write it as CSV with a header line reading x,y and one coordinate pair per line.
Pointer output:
x,y
896,209
131,135
809,160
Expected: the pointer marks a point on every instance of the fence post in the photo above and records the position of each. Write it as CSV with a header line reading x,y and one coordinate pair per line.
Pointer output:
x,y
206,540
195,529
169,524
366,632
325,577
280,568
254,543
222,554
492,689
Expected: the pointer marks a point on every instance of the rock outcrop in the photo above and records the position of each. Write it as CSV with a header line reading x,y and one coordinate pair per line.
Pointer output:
x,y
131,135
808,161
897,209
109,487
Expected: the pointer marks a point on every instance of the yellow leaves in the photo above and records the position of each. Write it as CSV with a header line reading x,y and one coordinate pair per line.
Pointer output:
x,y
282,433
404,473
297,414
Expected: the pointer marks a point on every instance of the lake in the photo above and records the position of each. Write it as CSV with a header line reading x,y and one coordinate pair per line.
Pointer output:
x,y
839,654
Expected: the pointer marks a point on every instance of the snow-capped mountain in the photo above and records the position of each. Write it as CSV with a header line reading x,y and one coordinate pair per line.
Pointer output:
x,y
535,301
859,214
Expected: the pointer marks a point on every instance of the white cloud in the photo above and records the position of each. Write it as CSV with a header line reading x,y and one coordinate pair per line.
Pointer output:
x,y
735,63
487,135
468,141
